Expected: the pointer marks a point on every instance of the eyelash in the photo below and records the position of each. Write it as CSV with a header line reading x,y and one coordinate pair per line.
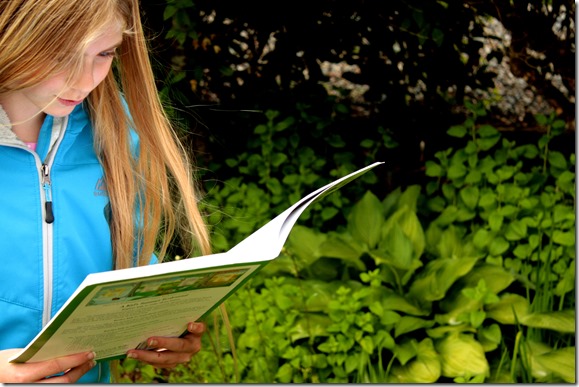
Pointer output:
x,y
108,54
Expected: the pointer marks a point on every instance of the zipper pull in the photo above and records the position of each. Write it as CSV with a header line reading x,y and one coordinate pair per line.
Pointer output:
x,y
47,194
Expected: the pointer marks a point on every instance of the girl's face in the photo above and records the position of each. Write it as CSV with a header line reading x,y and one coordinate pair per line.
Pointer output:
x,y
59,94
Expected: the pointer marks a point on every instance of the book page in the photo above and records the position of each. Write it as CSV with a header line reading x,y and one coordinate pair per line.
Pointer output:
x,y
114,317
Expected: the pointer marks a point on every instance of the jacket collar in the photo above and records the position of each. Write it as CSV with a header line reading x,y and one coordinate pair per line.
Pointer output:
x,y
7,136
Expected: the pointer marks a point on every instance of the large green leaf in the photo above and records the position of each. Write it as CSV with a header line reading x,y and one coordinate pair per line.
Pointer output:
x,y
462,356
365,220
305,244
509,309
410,323
424,368
393,301
343,247
559,362
438,276
561,321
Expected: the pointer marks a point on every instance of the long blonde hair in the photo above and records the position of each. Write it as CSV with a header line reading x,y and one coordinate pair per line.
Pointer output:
x,y
151,189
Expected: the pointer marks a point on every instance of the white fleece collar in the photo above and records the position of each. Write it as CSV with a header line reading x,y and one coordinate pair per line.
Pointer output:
x,y
7,136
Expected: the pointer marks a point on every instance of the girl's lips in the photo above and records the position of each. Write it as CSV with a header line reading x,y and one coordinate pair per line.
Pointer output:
x,y
69,102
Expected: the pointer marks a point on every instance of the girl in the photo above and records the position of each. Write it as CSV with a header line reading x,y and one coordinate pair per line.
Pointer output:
x,y
91,172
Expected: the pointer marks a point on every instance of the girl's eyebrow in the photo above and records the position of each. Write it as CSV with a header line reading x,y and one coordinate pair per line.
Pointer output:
x,y
116,45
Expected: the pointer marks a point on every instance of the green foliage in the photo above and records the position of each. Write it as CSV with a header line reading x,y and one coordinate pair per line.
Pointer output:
x,y
274,172
469,279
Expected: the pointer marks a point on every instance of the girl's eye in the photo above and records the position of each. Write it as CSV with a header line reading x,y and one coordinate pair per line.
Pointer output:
x,y
108,54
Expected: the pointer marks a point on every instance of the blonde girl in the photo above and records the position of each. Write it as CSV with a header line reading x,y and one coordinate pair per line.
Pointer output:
x,y
91,172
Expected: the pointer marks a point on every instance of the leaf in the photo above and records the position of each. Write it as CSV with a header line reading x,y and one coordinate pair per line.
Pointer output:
x,y
482,238
366,219
409,197
437,36
498,246
343,248
486,131
469,196
457,131
509,309
496,277
564,238
560,362
399,248
490,337
560,321
487,200
456,171
284,373
516,230
425,368
393,301
405,351
495,221
438,276
557,160
409,323
433,169
461,355
309,326
487,143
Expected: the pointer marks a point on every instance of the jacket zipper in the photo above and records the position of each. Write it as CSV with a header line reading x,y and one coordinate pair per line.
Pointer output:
x,y
47,185
48,216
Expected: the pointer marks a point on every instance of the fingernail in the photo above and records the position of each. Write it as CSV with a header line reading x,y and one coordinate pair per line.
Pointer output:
x,y
91,355
195,327
92,364
132,355
152,343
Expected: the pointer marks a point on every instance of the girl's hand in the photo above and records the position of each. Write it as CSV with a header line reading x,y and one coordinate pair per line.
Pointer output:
x,y
66,369
171,351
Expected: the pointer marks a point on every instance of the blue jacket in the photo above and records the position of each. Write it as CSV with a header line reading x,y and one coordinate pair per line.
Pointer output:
x,y
44,259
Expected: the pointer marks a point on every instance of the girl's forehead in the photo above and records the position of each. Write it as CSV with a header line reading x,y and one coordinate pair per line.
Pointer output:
x,y
109,37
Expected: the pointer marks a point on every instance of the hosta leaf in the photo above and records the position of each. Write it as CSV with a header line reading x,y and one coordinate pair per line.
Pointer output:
x,y
425,368
409,323
438,276
346,249
505,310
560,362
462,355
409,197
393,301
397,248
561,321
305,243
366,219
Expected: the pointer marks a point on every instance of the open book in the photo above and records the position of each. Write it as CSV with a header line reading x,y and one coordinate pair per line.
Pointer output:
x,y
114,311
